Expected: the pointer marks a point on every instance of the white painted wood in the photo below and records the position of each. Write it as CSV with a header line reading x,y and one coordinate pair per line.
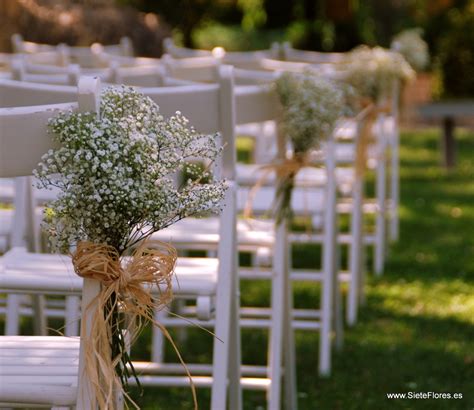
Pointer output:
x,y
12,319
85,390
278,293
291,54
200,69
380,193
395,165
226,297
71,316
355,248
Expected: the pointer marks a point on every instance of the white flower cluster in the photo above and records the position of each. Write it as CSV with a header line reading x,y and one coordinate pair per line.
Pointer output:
x,y
372,71
311,106
117,174
411,45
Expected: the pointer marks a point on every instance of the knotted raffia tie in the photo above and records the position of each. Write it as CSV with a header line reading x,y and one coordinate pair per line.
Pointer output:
x,y
369,115
285,171
125,288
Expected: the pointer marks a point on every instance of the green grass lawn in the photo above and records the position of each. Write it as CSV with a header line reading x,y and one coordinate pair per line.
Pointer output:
x,y
416,332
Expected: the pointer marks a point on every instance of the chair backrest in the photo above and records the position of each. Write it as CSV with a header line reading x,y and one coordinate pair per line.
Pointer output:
x,y
123,48
256,103
69,77
143,76
209,108
312,57
182,52
19,45
18,93
200,69
250,59
55,58
24,137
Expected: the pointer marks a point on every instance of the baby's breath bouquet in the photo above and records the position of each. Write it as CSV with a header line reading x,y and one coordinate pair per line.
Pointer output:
x,y
411,45
311,105
372,71
117,175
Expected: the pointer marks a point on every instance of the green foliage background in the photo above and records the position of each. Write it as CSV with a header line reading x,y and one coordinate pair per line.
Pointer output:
x,y
329,25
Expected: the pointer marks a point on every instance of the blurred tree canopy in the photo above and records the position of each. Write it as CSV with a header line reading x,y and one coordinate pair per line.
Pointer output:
x,y
332,25
329,25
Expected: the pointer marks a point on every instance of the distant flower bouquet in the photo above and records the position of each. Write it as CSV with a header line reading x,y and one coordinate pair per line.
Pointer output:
x,y
372,71
117,176
311,106
411,45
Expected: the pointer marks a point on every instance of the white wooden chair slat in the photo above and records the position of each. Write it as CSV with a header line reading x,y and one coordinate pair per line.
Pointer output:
x,y
38,394
192,276
67,360
18,93
56,380
40,370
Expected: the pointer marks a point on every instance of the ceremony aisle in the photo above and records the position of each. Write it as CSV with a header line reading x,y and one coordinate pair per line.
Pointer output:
x,y
416,332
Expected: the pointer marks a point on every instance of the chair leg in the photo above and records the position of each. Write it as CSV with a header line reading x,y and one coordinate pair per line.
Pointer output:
x,y
380,189
353,293
182,332
158,340
278,293
289,353
395,188
338,314
12,317
363,275
330,264
235,388
355,254
326,324
38,303
71,316
221,359
226,299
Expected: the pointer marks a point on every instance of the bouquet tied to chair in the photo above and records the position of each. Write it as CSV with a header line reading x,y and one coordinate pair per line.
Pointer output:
x,y
310,108
116,172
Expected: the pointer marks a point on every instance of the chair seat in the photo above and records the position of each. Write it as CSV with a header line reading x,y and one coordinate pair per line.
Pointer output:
x,y
250,174
205,233
47,365
25,272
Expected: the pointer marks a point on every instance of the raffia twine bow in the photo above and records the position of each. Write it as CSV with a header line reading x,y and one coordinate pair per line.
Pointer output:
x,y
126,287
285,171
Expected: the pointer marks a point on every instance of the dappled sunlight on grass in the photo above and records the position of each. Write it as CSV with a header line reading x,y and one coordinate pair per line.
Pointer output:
x,y
448,298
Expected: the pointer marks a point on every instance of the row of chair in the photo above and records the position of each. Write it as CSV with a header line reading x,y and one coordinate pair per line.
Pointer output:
x,y
322,189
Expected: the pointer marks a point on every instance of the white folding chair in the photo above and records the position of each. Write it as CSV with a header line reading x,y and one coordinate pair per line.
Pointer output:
x,y
42,370
18,192
198,278
79,53
240,59
144,76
